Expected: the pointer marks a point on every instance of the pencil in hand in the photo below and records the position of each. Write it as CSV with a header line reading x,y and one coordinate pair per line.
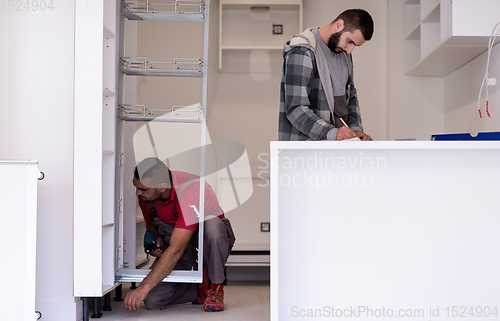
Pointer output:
x,y
343,122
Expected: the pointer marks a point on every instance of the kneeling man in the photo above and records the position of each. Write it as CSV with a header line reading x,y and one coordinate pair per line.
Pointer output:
x,y
169,201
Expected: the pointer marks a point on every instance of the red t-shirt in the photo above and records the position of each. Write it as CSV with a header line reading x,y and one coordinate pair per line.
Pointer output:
x,y
187,206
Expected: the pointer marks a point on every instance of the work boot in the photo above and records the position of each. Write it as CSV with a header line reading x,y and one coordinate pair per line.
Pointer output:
x,y
202,289
215,298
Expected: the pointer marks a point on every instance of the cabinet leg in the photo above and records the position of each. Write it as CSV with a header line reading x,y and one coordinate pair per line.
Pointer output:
x,y
133,286
107,302
85,304
97,308
118,293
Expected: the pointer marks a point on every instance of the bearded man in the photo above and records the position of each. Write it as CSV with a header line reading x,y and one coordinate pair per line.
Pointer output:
x,y
318,97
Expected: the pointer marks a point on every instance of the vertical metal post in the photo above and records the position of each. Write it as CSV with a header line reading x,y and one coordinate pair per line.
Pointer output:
x,y
203,138
119,133
206,36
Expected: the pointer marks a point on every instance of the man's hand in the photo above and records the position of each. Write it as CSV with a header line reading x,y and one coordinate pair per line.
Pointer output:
x,y
363,136
159,247
165,264
134,298
345,132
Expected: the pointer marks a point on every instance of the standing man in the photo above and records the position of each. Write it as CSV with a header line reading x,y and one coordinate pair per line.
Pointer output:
x,y
317,88
169,201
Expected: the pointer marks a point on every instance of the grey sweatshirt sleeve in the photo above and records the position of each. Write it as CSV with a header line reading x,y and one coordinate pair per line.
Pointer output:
x,y
354,112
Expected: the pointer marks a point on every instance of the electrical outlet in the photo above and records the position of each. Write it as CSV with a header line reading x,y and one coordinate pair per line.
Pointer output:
x,y
277,29
492,81
265,227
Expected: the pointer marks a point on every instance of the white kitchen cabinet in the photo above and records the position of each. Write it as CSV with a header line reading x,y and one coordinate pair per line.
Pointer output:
x,y
101,262
18,196
408,227
443,35
95,157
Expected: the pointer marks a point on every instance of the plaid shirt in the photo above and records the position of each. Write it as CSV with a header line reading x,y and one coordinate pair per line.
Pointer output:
x,y
304,111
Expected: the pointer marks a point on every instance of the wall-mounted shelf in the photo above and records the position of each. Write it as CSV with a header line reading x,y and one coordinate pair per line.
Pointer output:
x,y
179,10
179,67
444,35
247,25
248,48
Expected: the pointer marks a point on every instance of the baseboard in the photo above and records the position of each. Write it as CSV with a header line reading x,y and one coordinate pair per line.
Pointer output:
x,y
245,273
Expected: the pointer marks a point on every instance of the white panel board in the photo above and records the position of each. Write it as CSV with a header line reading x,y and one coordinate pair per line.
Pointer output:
x,y
385,229
88,149
18,199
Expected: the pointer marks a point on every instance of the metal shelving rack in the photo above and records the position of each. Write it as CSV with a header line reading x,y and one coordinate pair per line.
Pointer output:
x,y
177,10
181,114
179,67
180,10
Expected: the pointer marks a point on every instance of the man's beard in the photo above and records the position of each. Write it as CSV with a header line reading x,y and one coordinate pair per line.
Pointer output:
x,y
333,42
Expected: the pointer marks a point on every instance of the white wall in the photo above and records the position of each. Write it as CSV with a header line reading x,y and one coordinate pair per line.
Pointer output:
x,y
415,104
461,90
239,108
422,106
37,123
37,112
244,107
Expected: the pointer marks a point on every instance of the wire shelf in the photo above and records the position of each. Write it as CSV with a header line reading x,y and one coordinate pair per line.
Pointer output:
x,y
179,67
179,10
181,114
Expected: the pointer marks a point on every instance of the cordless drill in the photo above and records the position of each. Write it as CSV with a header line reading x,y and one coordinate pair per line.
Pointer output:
x,y
149,241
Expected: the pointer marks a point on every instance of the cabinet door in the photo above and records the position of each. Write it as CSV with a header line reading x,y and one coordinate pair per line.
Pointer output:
x,y
94,148
18,238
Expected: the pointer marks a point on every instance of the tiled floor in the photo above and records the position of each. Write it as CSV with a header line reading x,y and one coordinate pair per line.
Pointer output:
x,y
243,301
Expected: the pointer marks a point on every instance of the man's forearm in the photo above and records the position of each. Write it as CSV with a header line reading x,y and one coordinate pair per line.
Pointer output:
x,y
308,122
162,269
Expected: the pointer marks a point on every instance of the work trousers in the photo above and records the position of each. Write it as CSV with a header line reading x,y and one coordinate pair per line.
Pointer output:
x,y
217,243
